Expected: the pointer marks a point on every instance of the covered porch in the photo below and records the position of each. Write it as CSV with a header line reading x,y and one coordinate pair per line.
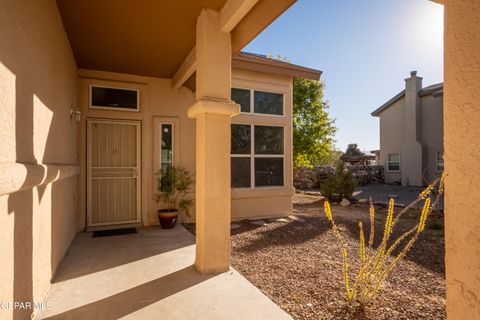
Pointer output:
x,y
149,275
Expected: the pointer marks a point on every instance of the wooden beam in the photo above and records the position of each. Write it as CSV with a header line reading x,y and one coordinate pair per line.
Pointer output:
x,y
260,17
233,12
185,71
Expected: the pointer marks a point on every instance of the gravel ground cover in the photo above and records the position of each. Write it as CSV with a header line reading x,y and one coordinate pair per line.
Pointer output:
x,y
297,264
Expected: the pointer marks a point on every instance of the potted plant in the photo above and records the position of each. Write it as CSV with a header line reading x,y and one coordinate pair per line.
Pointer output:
x,y
174,184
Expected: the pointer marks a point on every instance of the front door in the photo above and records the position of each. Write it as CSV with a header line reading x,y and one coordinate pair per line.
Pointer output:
x,y
113,173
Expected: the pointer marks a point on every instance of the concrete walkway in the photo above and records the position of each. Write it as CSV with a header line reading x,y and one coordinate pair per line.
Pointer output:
x,y
149,275
381,193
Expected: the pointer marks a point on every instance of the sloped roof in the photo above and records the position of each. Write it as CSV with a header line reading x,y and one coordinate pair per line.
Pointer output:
x,y
433,89
261,63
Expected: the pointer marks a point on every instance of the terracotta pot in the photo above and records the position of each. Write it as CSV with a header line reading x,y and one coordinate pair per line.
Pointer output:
x,y
167,218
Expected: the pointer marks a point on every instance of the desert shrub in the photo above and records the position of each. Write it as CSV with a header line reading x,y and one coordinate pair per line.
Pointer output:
x,y
377,263
339,185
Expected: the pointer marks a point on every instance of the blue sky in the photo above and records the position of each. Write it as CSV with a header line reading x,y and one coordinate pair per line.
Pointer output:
x,y
365,48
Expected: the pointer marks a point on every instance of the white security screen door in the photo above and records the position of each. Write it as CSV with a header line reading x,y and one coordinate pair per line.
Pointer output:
x,y
113,172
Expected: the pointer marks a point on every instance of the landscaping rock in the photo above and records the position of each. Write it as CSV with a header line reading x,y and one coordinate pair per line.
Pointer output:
x,y
296,218
311,178
234,226
258,222
296,267
363,201
345,202
278,220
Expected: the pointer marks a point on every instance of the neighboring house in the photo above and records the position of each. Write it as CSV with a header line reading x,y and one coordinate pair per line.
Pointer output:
x,y
95,97
411,133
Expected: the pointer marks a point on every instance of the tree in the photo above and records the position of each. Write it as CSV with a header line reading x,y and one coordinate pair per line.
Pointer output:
x,y
352,150
313,128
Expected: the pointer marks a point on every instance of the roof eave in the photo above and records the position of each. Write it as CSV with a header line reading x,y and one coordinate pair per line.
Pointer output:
x,y
400,95
256,63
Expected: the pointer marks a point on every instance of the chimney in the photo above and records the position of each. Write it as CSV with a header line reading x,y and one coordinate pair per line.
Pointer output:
x,y
412,106
412,150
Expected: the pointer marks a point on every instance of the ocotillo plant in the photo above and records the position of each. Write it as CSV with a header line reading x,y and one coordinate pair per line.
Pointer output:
x,y
377,263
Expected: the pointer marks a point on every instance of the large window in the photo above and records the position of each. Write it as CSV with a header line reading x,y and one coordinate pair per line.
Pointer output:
x,y
393,162
440,161
257,156
259,102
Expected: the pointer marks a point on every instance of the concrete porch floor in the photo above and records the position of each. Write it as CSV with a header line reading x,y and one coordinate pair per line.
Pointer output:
x,y
148,275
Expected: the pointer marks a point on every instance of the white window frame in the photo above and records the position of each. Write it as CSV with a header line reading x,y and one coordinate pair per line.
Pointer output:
x,y
91,106
252,157
388,162
252,102
437,161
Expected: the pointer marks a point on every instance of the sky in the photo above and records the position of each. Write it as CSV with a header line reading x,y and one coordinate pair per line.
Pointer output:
x,y
365,48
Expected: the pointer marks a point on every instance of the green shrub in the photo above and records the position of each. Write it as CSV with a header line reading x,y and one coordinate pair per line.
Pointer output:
x,y
339,185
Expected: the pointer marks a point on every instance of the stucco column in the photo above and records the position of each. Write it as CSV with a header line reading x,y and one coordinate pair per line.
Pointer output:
x,y
462,157
212,111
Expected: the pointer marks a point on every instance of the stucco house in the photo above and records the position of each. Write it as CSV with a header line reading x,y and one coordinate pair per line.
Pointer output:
x,y
92,108
411,134
175,58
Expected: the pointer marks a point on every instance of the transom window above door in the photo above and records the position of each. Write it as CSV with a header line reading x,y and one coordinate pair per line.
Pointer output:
x,y
257,156
114,98
259,102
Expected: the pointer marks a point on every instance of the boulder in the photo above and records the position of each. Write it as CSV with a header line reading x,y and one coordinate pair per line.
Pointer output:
x,y
344,202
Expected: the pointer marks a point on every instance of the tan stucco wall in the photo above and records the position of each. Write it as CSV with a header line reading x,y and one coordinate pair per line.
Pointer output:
x,y
462,158
266,202
38,193
393,131
432,133
392,136
158,101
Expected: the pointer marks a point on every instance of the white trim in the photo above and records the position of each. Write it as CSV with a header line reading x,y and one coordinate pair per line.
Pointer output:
x,y
252,102
252,157
90,106
388,162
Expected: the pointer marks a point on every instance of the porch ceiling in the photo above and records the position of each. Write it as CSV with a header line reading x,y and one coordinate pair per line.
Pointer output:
x,y
149,37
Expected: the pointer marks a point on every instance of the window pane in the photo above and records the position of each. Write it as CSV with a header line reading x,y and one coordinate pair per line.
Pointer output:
x,y
114,98
393,157
242,97
268,103
268,140
268,172
166,155
439,161
394,166
241,139
240,172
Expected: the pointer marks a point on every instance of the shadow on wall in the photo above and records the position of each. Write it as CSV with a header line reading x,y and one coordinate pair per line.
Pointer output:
x,y
32,50
20,204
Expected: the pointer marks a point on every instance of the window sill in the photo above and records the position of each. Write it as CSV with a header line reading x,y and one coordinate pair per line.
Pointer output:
x,y
262,192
